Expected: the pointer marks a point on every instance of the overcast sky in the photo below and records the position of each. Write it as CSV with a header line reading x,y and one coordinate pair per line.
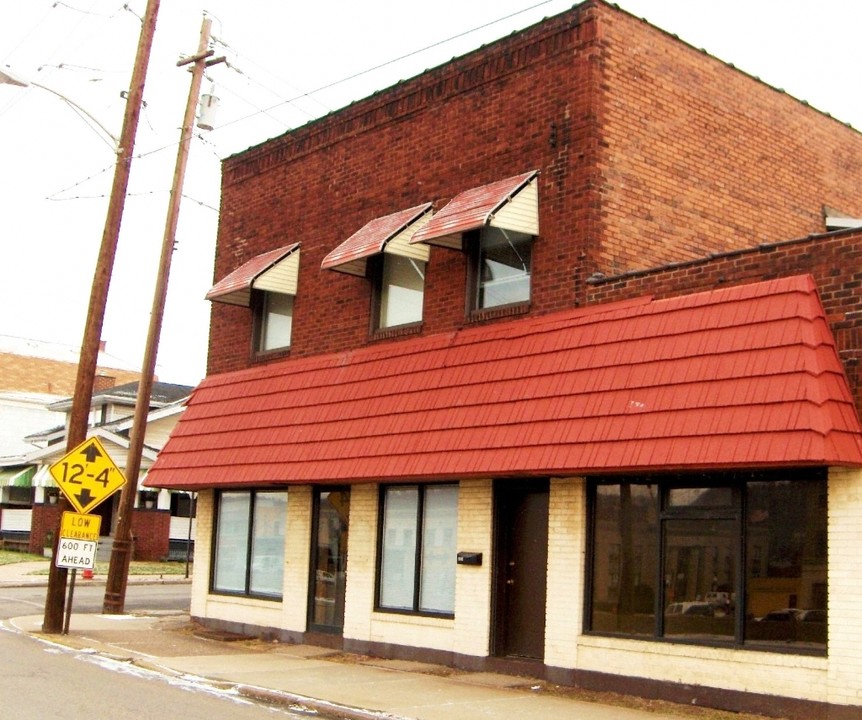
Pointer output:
x,y
289,63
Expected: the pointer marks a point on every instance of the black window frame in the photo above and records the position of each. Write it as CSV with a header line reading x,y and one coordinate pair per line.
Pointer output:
x,y
417,567
259,305
738,483
374,273
472,245
247,592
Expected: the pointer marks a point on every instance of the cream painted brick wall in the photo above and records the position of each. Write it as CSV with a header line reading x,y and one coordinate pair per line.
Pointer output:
x,y
845,586
297,556
473,584
203,553
796,676
566,557
361,562
290,614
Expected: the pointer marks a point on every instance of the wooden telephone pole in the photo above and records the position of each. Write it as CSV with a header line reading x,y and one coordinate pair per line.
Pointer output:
x,y
88,361
121,553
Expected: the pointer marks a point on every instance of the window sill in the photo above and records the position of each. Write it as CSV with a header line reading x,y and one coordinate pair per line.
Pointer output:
x,y
396,332
259,356
500,311
700,649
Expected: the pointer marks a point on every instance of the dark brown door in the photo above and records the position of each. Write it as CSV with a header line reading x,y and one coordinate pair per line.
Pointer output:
x,y
521,509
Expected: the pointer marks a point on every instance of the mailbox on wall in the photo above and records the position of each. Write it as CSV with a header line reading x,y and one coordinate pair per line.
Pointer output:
x,y
469,558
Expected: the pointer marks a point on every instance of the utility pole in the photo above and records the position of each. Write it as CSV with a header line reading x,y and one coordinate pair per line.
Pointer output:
x,y
79,417
121,553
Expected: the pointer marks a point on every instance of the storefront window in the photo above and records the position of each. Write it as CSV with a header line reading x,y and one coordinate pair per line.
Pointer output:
x,y
249,543
677,543
417,549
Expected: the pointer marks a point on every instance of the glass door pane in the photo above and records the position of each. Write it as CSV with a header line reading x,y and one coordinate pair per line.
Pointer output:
x,y
329,560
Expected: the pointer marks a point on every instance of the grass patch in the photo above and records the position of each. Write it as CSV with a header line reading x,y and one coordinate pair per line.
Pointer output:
x,y
8,557
136,567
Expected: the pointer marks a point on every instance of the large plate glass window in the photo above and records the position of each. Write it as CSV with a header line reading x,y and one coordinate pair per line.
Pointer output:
x,y
734,559
248,547
417,549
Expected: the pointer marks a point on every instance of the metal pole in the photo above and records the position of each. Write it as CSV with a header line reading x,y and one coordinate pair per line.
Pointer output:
x,y
121,552
189,540
88,361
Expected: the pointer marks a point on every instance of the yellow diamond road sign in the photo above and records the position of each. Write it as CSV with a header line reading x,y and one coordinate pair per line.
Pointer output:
x,y
87,475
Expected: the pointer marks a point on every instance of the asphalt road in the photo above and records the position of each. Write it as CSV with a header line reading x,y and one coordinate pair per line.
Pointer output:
x,y
15,602
42,679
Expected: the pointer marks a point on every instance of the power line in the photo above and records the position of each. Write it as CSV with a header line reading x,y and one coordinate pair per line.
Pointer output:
x,y
385,64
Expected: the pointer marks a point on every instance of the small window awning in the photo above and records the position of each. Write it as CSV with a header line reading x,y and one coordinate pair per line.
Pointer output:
x,y
390,234
837,220
510,204
741,377
274,271
17,476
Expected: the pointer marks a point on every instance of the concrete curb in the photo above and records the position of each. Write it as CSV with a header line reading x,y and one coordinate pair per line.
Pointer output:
x,y
323,708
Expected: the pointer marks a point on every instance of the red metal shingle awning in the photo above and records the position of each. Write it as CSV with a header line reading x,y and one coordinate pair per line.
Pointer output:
x,y
510,204
374,237
742,377
236,287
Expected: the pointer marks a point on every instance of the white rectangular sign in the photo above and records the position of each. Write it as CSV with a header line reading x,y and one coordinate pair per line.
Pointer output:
x,y
72,553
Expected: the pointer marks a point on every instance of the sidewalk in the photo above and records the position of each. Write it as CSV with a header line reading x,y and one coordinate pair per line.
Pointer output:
x,y
329,682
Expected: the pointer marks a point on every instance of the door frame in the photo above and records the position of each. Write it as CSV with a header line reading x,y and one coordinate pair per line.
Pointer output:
x,y
505,492
311,626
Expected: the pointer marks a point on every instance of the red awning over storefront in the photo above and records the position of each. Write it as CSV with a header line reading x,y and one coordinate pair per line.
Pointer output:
x,y
741,377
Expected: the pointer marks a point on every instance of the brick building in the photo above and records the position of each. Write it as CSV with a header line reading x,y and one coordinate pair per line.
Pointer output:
x,y
525,364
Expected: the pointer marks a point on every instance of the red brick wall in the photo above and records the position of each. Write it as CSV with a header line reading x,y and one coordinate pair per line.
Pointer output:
x,y
151,529
833,259
700,157
474,121
44,519
649,152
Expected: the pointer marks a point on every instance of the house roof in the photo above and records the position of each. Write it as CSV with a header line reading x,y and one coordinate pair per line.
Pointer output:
x,y
161,394
741,377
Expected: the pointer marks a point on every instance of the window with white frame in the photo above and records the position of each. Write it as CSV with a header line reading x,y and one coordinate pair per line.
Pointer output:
x,y
418,531
248,543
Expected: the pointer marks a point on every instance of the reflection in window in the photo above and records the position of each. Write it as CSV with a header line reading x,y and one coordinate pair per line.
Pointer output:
x,y
662,543
400,291
625,567
786,600
418,555
699,584
249,543
503,268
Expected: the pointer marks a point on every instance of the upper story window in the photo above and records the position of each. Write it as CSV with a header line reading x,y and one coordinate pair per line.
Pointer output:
x,y
381,251
399,291
499,268
266,283
496,224
273,321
